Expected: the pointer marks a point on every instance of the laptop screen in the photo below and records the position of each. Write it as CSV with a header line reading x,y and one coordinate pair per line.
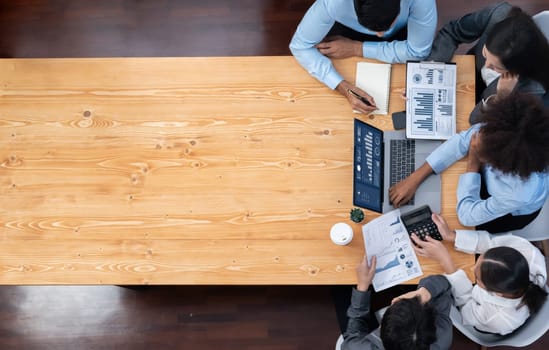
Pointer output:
x,y
368,166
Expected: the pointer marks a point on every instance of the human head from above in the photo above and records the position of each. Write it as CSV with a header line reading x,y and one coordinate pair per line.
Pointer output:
x,y
505,271
407,325
377,15
514,136
518,46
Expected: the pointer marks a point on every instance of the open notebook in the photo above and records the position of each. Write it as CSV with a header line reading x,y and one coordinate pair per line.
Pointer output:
x,y
375,79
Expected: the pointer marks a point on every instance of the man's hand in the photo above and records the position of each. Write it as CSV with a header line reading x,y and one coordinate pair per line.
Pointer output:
x,y
423,294
445,231
365,273
473,161
339,47
344,87
506,84
401,192
431,248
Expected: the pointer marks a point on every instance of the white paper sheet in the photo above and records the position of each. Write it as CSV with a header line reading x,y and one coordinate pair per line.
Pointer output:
x,y
375,79
431,100
387,239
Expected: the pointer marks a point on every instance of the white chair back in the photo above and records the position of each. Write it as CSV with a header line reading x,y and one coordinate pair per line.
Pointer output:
x,y
339,342
535,327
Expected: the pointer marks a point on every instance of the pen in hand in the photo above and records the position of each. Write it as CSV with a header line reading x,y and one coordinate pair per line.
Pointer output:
x,y
362,99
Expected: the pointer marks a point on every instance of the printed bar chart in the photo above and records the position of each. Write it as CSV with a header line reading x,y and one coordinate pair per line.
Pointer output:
x,y
431,91
423,102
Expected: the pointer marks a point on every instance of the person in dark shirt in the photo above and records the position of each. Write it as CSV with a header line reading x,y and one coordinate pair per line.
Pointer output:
x,y
415,320
511,52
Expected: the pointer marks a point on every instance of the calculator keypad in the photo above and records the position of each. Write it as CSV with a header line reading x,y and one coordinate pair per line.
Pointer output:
x,y
423,229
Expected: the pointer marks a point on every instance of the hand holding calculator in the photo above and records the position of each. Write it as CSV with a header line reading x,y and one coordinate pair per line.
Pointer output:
x,y
419,222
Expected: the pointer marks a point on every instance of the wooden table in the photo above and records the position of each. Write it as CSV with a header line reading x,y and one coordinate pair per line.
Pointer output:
x,y
227,170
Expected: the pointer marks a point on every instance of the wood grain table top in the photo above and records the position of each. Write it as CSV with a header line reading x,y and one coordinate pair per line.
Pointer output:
x,y
218,170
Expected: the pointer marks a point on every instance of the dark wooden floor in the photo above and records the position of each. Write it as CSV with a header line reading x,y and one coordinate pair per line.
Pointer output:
x,y
170,317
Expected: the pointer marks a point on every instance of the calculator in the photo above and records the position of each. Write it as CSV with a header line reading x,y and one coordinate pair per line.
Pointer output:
x,y
419,221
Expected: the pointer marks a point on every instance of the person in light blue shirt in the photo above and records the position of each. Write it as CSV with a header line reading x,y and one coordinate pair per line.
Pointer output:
x,y
507,178
391,31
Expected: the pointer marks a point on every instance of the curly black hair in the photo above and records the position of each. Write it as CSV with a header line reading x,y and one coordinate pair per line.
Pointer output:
x,y
515,135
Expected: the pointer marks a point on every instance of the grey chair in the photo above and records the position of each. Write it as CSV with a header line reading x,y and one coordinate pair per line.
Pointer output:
x,y
542,20
538,230
535,327
379,315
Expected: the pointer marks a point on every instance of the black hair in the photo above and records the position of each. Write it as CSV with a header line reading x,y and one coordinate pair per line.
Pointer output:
x,y
520,46
407,325
515,135
377,15
505,270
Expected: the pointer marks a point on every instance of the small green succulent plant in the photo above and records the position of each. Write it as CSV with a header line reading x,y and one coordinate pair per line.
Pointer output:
x,y
357,215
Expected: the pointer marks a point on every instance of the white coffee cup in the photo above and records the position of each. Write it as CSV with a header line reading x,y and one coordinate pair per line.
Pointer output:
x,y
341,233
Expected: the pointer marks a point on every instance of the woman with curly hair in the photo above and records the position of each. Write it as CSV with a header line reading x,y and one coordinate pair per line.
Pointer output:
x,y
507,178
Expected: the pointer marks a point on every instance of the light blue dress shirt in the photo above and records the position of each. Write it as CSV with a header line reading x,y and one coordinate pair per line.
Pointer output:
x,y
508,193
419,15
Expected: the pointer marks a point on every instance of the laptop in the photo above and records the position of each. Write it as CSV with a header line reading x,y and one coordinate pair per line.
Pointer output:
x,y
382,158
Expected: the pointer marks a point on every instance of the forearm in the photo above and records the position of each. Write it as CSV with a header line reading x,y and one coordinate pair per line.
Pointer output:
x,y
314,26
435,285
466,29
473,164
461,287
448,265
420,174
358,313
343,86
452,150
318,65
394,51
473,210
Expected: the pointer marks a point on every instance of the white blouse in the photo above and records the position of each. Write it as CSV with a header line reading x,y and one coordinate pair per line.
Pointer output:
x,y
485,310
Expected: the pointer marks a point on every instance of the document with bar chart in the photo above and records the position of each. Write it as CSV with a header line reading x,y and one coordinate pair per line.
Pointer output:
x,y
431,100
387,239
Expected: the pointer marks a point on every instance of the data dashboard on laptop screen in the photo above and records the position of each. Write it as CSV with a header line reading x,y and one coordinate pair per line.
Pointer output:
x,y
368,165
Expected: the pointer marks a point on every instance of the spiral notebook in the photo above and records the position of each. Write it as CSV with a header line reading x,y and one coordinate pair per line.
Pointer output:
x,y
375,79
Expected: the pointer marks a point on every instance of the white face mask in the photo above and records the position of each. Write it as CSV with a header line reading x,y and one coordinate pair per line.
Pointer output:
x,y
488,75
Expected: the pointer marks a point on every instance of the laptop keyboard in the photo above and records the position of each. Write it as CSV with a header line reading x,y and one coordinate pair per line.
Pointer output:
x,y
402,162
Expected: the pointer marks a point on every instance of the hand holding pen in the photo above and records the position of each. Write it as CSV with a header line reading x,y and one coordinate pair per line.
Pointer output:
x,y
359,99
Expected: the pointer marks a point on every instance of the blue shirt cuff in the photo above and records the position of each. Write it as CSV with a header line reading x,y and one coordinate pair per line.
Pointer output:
x,y
433,161
333,79
369,49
